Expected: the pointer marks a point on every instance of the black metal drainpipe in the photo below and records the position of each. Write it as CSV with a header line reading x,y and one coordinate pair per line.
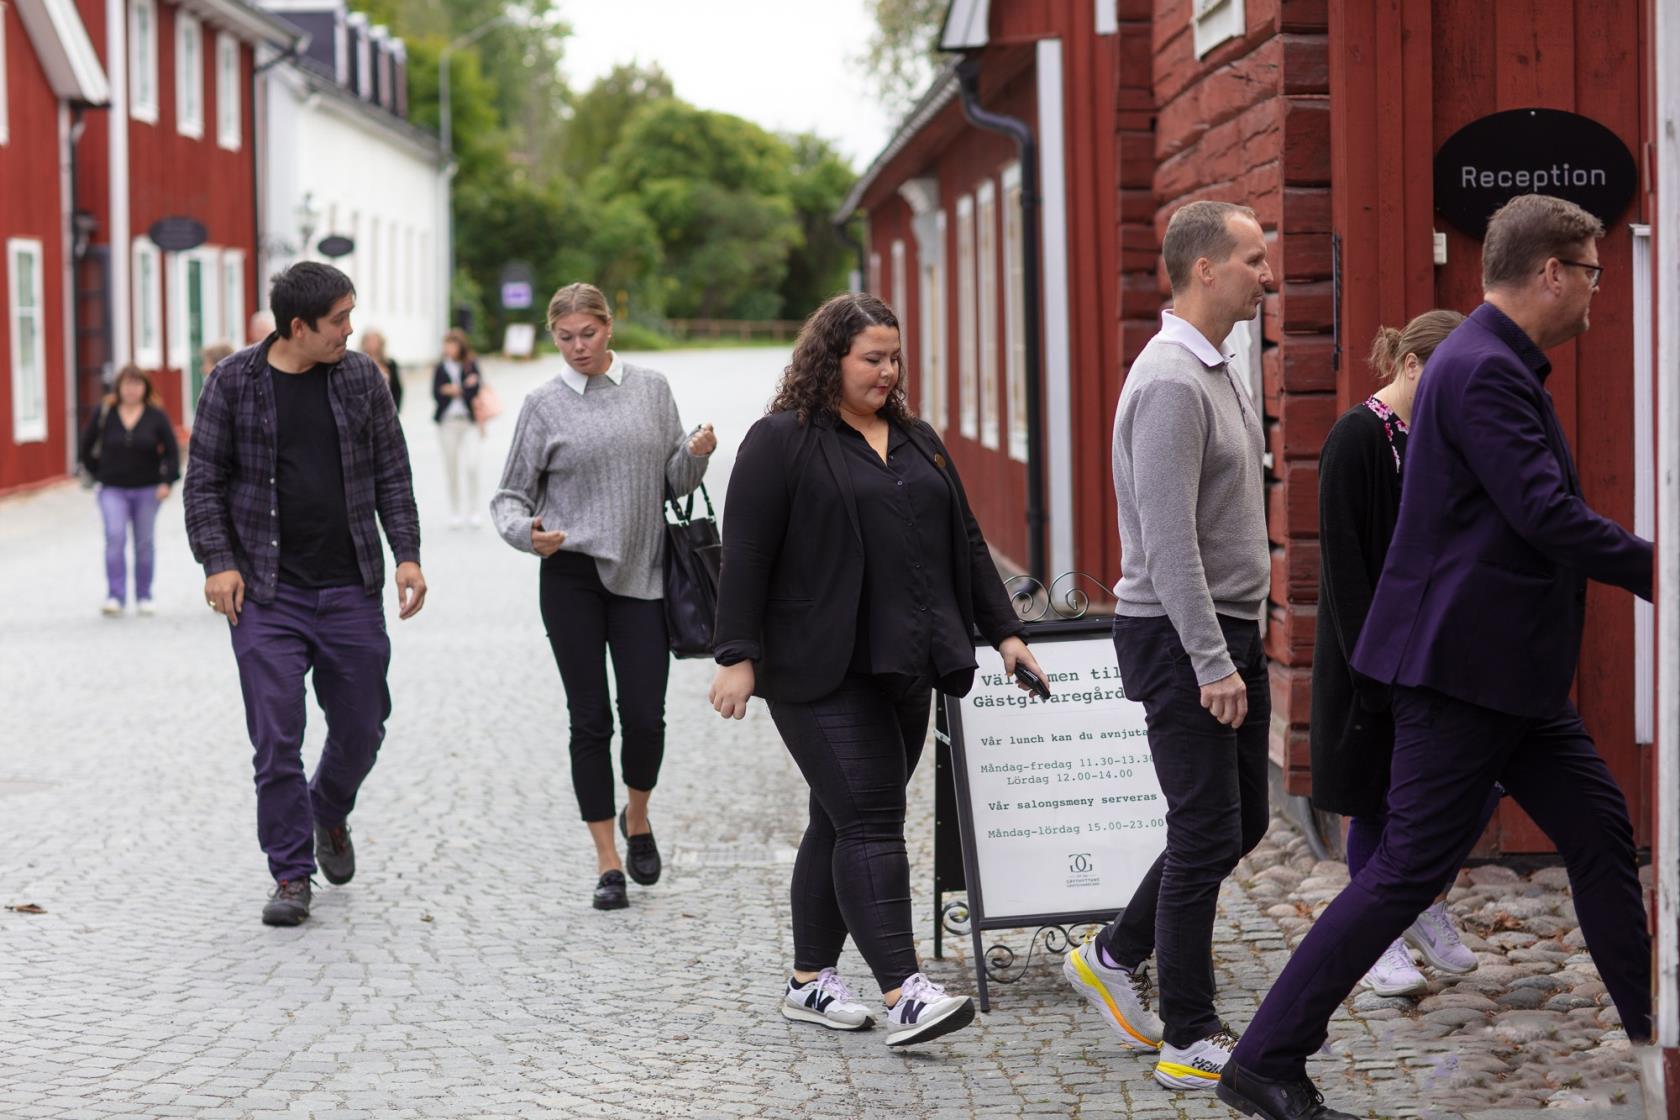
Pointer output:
x,y
968,81
842,230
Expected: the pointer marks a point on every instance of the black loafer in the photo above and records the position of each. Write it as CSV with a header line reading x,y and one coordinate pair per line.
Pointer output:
x,y
644,860
610,893
334,853
1253,1095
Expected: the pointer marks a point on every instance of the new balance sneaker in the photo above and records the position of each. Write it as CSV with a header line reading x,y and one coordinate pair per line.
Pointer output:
x,y
1435,936
1394,974
1198,1065
1121,996
289,904
924,1012
826,1001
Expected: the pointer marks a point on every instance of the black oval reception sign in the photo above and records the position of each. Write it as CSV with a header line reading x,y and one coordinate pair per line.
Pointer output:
x,y
1490,161
177,235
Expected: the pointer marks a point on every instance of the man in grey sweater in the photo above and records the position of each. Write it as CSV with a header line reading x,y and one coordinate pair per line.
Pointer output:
x,y
1195,572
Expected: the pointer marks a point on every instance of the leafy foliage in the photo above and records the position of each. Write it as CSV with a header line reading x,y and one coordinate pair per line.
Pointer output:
x,y
903,54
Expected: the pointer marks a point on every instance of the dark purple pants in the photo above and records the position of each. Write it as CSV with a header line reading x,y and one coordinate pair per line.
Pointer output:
x,y
1447,756
339,634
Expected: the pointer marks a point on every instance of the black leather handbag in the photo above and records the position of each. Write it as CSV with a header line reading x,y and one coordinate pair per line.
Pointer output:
x,y
693,556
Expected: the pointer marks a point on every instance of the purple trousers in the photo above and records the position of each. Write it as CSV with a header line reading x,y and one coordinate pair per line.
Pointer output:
x,y
338,633
122,506
1447,756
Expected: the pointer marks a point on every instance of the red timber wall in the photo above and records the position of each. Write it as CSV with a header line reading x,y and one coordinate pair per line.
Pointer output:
x,y
31,206
170,175
1249,122
1405,76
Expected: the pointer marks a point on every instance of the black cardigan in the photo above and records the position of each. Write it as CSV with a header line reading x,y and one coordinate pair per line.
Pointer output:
x,y
792,575
143,456
1352,734
440,378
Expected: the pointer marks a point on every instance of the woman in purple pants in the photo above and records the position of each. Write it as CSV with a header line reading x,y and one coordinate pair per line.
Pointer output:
x,y
129,449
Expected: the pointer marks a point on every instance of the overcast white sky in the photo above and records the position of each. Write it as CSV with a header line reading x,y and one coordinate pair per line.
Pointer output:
x,y
786,64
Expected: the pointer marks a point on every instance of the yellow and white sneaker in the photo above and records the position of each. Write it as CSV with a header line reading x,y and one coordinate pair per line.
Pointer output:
x,y
1197,1066
1120,996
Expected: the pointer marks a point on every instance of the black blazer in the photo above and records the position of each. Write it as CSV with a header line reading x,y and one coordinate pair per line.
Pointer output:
x,y
792,575
440,378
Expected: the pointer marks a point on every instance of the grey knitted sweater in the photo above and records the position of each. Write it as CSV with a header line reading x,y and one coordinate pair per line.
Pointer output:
x,y
594,465
1191,489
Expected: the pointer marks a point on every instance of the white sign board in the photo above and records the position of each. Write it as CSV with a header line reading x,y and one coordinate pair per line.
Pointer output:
x,y
1063,812
518,340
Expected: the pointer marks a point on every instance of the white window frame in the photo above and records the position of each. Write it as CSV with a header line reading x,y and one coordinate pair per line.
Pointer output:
x,y
936,342
968,356
5,110
27,428
233,297
1644,482
147,303
230,103
986,250
373,290
143,61
900,293
189,75
1014,316
180,350
873,285
1213,22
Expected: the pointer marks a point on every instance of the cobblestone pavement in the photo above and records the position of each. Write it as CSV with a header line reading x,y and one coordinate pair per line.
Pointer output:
x,y
463,973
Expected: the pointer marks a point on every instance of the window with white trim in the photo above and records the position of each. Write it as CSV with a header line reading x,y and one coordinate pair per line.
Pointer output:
x,y
146,299
142,60
189,75
5,114
233,298
24,291
373,292
872,284
900,294
968,357
1014,316
229,103
986,242
934,342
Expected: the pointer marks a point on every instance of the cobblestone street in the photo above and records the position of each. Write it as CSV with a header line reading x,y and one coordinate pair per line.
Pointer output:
x,y
463,972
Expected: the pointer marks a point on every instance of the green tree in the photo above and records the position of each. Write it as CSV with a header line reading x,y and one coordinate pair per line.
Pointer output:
x,y
818,184
598,117
903,54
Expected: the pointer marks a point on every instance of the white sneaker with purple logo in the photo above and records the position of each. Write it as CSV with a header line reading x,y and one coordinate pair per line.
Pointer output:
x,y
827,1002
924,1011
1394,974
1435,936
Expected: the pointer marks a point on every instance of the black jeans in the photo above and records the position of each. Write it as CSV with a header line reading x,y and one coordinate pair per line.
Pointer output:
x,y
1214,780
857,748
584,621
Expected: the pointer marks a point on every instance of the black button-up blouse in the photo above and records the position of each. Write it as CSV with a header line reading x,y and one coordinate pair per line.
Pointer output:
x,y
908,619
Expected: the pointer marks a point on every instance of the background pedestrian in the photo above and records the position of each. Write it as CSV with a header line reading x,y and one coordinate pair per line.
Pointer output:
x,y
373,345
594,452
129,449
853,575
455,384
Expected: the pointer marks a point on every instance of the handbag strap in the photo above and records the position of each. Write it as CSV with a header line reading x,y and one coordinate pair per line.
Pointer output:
x,y
685,514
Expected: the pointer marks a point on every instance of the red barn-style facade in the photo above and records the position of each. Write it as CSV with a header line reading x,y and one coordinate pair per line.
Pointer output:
x,y
1326,119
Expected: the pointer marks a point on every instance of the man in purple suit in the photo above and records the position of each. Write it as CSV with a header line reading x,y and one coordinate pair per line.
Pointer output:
x,y
1476,626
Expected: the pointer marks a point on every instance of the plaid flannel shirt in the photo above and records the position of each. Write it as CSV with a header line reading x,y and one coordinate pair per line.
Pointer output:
x,y
232,502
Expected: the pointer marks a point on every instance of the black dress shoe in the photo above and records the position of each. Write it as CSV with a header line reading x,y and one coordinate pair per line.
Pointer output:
x,y
289,904
1253,1095
644,853
610,893
334,853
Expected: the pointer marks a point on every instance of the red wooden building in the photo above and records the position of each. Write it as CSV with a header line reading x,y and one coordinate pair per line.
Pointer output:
x,y
1324,117
49,76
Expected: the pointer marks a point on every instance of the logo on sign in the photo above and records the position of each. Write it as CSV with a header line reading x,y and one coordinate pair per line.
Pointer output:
x,y
516,295
1080,863
1082,870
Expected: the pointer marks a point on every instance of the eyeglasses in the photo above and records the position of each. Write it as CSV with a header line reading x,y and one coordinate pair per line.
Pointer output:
x,y
1596,270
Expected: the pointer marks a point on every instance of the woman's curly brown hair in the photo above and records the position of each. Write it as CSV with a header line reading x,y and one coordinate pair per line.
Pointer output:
x,y
810,384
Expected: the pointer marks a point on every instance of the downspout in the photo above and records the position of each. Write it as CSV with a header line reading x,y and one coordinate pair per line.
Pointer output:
x,y
968,81
842,231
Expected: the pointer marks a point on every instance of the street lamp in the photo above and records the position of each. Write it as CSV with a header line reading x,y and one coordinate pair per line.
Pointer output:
x,y
308,218
445,137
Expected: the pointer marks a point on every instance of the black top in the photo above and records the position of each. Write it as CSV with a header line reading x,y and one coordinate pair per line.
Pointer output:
x,y
393,377
316,548
791,591
470,382
1352,734
908,622
143,455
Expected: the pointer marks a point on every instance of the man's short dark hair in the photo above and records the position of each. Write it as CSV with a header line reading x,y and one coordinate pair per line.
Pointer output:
x,y
306,291
1528,231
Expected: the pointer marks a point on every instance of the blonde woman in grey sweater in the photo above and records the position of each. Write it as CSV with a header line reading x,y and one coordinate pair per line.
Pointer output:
x,y
584,490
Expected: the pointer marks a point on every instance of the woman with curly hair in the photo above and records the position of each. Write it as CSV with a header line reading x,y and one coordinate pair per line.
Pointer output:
x,y
853,575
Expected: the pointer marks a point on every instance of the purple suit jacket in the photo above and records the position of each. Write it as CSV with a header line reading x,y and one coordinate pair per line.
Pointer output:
x,y
1484,592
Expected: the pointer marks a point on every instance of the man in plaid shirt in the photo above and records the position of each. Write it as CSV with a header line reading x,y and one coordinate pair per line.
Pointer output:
x,y
295,451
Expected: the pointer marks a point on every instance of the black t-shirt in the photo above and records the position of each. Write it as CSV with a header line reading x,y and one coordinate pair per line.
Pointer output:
x,y
316,549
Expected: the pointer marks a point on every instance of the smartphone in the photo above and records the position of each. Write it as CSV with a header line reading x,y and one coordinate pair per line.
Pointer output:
x,y
1033,682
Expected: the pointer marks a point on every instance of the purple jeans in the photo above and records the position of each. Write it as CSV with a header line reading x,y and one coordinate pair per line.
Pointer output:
x,y
339,633
121,506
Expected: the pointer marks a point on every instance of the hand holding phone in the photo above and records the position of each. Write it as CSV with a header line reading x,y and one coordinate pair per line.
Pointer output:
x,y
1035,684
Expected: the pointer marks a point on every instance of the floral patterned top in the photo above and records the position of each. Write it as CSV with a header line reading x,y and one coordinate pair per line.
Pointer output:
x,y
1393,427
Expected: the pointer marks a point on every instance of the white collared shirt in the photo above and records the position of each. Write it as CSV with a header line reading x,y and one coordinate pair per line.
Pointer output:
x,y
1182,333
578,382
